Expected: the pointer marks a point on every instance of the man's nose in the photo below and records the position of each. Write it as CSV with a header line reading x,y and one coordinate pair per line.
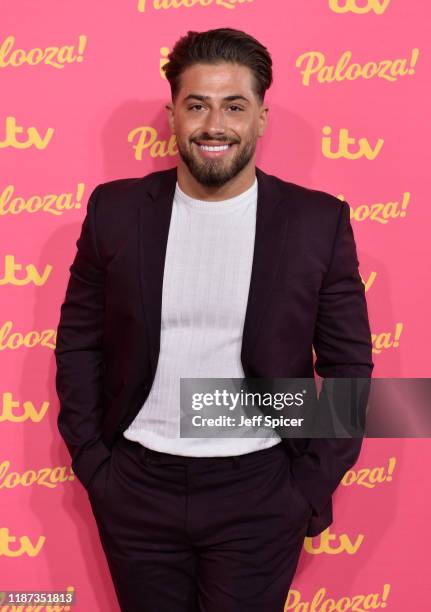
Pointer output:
x,y
214,123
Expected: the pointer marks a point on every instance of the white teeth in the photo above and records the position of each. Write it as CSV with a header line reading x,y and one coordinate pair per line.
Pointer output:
x,y
208,148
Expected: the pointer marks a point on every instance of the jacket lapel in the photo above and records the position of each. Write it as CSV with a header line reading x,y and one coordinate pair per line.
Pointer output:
x,y
271,224
154,221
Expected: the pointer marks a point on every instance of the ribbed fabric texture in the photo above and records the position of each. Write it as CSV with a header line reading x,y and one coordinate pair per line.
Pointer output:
x,y
205,290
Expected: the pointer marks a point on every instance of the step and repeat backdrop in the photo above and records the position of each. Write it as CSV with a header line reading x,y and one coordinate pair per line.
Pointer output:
x,y
82,102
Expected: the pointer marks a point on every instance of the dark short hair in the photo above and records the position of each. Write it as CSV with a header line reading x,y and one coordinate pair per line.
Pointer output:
x,y
214,47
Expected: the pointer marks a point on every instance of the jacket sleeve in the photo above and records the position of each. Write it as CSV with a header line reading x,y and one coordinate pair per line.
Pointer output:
x,y
79,354
342,343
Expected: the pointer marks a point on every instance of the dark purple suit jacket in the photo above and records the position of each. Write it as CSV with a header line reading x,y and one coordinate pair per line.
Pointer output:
x,y
305,292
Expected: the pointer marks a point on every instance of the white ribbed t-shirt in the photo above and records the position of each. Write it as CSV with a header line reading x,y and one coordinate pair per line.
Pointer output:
x,y
204,298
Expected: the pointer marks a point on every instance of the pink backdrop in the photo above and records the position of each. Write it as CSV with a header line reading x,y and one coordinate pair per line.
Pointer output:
x,y
82,102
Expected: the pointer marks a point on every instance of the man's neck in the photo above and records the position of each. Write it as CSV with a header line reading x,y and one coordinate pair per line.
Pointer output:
x,y
190,186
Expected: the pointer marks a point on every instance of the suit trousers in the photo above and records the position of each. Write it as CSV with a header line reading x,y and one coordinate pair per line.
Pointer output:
x,y
199,534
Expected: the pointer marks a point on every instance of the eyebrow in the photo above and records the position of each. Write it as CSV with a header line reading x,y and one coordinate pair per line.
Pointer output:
x,y
226,98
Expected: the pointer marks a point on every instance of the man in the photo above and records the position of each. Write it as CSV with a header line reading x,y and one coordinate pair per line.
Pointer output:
x,y
210,269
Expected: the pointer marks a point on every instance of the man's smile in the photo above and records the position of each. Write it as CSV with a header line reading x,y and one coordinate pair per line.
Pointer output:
x,y
213,149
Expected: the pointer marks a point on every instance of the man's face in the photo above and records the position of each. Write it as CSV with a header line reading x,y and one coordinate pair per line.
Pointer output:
x,y
217,119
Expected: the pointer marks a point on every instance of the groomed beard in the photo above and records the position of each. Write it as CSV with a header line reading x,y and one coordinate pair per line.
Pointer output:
x,y
214,172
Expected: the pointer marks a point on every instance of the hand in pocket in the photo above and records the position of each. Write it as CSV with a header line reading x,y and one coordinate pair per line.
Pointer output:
x,y
302,500
96,487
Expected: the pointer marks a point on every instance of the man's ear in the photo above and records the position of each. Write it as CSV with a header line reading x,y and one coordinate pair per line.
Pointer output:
x,y
170,109
263,119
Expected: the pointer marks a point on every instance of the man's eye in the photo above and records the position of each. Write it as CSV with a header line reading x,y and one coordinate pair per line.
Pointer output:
x,y
233,107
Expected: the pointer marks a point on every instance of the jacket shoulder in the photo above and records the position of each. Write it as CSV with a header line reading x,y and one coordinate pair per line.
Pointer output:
x,y
123,186
305,199
115,209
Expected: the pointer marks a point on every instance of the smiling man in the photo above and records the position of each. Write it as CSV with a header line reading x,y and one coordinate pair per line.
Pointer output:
x,y
216,131
210,269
